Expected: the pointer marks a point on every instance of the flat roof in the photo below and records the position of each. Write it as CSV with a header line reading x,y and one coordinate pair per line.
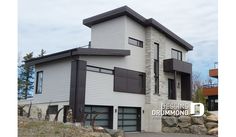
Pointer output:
x,y
126,11
78,52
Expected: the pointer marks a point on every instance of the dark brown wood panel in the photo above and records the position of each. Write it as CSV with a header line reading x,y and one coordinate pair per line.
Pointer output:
x,y
129,81
77,91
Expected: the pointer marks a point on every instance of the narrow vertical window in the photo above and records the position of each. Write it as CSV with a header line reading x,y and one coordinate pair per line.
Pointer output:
x,y
39,82
156,69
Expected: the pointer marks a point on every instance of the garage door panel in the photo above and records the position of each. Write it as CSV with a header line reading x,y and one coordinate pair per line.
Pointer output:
x,y
101,109
101,123
104,117
129,118
129,128
130,122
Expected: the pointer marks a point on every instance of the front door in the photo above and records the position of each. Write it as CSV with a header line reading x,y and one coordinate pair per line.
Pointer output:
x,y
171,89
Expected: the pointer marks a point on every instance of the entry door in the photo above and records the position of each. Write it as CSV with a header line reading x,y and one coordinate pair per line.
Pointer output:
x,y
171,89
129,119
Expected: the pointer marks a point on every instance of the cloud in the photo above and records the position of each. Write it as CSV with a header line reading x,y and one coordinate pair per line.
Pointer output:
x,y
56,25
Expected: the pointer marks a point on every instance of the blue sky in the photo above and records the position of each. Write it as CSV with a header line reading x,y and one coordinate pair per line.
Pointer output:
x,y
56,25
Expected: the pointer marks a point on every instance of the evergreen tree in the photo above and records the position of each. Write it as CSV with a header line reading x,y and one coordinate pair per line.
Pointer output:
x,y
42,52
25,78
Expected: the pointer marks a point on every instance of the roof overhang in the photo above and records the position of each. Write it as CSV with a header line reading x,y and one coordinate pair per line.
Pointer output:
x,y
126,11
78,52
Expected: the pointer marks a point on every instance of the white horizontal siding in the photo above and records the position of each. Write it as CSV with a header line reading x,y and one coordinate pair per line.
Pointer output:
x,y
99,91
56,82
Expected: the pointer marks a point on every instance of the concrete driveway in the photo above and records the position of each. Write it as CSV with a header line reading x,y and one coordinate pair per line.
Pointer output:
x,y
163,135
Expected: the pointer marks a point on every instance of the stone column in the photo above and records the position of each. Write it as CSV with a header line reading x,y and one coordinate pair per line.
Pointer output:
x,y
149,61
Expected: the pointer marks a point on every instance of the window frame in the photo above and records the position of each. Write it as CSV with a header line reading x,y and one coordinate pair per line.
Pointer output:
x,y
178,53
37,83
156,71
156,77
100,69
139,42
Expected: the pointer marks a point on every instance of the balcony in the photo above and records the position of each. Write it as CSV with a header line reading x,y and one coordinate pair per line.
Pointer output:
x,y
210,90
171,65
213,73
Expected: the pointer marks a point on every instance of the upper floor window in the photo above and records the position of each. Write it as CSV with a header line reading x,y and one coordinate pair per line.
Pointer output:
x,y
135,42
99,69
156,69
176,54
39,82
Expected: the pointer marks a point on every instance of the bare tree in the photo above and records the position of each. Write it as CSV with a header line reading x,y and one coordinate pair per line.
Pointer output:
x,y
56,117
196,82
29,110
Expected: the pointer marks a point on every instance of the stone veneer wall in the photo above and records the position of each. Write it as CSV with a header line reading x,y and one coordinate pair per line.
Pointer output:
x,y
190,124
149,58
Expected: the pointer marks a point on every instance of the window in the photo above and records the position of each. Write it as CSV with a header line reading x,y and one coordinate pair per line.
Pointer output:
x,y
176,54
129,81
156,72
99,69
53,109
135,42
156,69
39,82
90,68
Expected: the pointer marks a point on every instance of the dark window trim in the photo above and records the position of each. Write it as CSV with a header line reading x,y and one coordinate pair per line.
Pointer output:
x,y
156,76
158,49
139,41
178,51
100,69
36,89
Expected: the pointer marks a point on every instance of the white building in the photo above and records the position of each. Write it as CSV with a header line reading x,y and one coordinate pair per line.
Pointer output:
x,y
132,66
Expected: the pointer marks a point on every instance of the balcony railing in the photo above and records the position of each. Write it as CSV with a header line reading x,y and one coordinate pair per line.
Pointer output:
x,y
210,85
171,65
210,89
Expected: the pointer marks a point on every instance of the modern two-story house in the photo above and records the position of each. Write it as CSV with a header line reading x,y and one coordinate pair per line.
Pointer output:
x,y
131,66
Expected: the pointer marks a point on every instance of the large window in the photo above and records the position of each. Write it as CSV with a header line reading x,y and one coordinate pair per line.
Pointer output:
x,y
129,81
135,42
176,54
39,82
156,69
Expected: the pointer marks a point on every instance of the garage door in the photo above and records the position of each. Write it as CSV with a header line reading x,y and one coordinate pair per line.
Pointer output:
x,y
129,119
104,119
